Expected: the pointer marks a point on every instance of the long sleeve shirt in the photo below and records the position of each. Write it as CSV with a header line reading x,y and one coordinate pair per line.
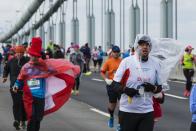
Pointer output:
x,y
193,103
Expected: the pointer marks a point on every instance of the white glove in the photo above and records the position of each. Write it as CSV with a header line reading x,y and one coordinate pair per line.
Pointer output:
x,y
158,95
15,89
108,81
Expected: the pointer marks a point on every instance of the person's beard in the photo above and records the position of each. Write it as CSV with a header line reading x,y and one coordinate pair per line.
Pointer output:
x,y
143,58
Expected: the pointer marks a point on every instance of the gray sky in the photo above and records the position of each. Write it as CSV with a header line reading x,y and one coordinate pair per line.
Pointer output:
x,y
186,18
10,10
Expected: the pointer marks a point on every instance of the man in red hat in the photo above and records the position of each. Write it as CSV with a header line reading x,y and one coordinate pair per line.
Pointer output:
x,y
38,94
12,68
37,79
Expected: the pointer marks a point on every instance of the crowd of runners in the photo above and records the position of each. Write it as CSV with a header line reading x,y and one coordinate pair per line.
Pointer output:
x,y
133,80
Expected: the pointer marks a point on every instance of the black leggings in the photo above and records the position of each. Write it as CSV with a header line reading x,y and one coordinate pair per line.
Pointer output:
x,y
87,60
193,126
136,121
18,106
95,63
188,73
37,114
77,82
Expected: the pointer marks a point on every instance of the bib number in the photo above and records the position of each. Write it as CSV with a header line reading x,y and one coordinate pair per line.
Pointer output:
x,y
33,83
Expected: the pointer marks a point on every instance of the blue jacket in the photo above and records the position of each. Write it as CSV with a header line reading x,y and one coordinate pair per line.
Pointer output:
x,y
100,55
126,54
193,103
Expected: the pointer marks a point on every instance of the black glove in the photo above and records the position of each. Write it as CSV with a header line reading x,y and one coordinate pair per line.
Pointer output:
x,y
131,91
116,87
158,89
148,87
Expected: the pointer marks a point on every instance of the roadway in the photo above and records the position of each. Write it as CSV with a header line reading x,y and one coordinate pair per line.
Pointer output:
x,y
176,115
88,111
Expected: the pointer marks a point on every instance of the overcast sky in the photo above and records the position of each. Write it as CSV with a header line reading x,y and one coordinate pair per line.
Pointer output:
x,y
10,10
186,18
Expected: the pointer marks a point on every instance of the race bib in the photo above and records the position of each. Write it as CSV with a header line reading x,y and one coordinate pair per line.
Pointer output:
x,y
33,83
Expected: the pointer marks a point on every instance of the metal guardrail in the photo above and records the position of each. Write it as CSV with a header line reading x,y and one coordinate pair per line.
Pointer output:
x,y
23,20
46,17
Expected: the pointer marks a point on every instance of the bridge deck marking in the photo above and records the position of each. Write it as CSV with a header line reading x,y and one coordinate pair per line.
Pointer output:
x,y
167,94
100,112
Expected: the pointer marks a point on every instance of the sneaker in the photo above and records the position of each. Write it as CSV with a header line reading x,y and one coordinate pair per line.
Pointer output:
x,y
88,73
16,124
111,122
22,125
73,92
118,128
186,93
77,93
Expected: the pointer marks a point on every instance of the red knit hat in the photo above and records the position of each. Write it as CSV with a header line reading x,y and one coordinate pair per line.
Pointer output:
x,y
36,47
19,49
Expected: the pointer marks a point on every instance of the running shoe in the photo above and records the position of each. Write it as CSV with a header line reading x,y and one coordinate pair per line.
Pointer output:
x,y
73,92
16,124
118,128
186,93
111,122
88,73
77,92
22,125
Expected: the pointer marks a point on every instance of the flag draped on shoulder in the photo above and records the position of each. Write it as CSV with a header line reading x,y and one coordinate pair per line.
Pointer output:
x,y
59,77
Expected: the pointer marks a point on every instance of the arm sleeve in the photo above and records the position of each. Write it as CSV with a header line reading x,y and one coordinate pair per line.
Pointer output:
x,y
193,100
22,75
20,79
82,63
6,70
158,80
120,71
19,84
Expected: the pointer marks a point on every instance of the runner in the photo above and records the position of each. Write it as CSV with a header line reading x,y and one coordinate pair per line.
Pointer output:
x,y
38,80
193,108
95,54
77,59
107,72
187,62
140,73
12,68
157,98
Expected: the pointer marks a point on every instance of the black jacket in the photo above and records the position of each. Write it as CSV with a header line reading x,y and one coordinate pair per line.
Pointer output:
x,y
13,67
58,54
